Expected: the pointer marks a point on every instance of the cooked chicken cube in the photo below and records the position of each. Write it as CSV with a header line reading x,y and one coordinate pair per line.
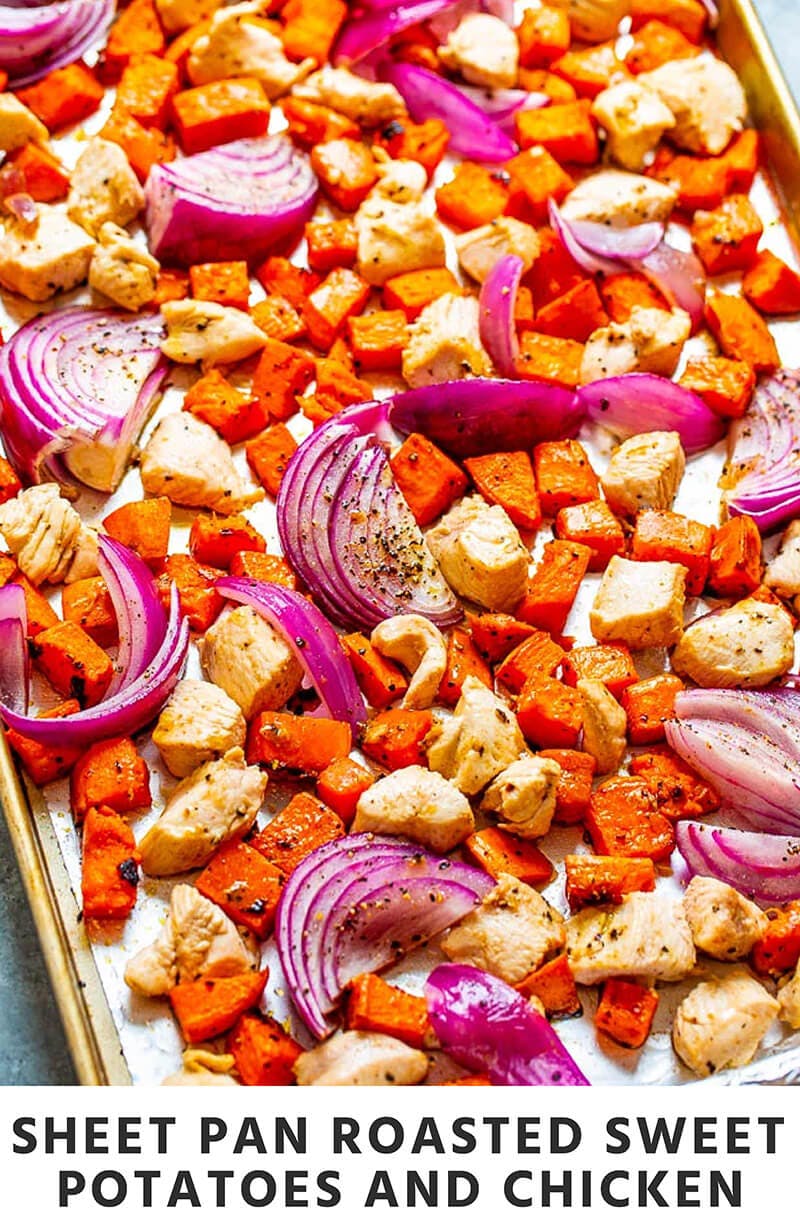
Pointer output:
x,y
720,1024
239,44
121,269
418,805
41,258
619,198
724,923
480,249
749,644
635,119
706,98
645,472
783,573
216,802
200,722
400,180
186,460
478,741
444,343
523,796
18,124
361,1059
481,554
605,725
204,1068
370,103
420,647
178,15
197,940
103,188
650,340
46,536
510,934
396,238
640,604
205,332
250,662
484,50
646,935
789,1000
594,21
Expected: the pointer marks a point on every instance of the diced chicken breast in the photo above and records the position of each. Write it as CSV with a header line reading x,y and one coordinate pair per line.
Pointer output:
x,y
238,43
44,257
645,472
480,249
444,343
418,805
44,533
720,1024
216,802
18,124
646,935
186,460
749,644
420,647
783,572
605,725
176,15
724,923
510,934
594,21
197,940
396,238
481,554
200,722
370,103
706,98
200,331
650,340
523,796
478,741
619,199
789,1000
484,50
103,188
361,1059
640,604
204,1067
250,662
121,269
635,118
400,180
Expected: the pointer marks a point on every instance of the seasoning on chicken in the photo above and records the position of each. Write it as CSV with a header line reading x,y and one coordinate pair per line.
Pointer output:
x,y
479,249
645,472
238,44
646,935
475,743
789,1000
41,258
197,940
635,119
480,553
361,1059
749,644
371,103
724,924
510,934
484,50
103,188
523,796
619,198
121,269
444,343
417,804
216,802
186,460
200,722
250,662
396,238
18,124
208,333
706,98
604,725
720,1024
47,537
649,340
420,648
178,15
783,572
640,604
399,179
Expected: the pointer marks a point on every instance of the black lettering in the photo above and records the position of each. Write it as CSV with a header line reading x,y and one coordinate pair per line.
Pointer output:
x,y
345,1132
221,1177
52,1136
737,1136
606,1192
772,1124
22,1130
510,1191
70,1183
705,1142
557,1126
464,1130
296,1189
494,1124
119,1184
249,1136
661,1134
528,1135
147,1176
161,1124
96,1136
212,1129
396,1142
718,1185
252,1199
688,1185
183,1190
295,1137
649,1189
427,1190
428,1136
614,1129
454,1198
550,1187
380,1189
326,1182
128,1136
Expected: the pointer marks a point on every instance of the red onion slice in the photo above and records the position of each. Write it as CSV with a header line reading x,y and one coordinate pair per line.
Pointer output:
x,y
363,35
36,39
497,303
630,404
488,1026
311,638
231,202
140,615
14,659
763,474
429,96
679,276
502,105
765,868
589,262
615,242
